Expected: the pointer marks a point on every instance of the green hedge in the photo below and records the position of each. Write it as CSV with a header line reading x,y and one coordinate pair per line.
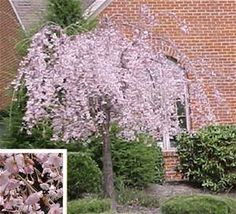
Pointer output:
x,y
199,204
89,206
136,164
208,157
84,176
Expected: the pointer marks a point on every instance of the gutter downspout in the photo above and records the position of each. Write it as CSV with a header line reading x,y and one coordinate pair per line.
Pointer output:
x,y
97,7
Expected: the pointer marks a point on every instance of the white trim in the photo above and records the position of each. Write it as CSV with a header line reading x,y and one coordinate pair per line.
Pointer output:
x,y
166,136
187,108
94,9
17,15
169,150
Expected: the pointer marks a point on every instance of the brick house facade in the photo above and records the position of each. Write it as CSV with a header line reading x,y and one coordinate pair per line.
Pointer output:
x,y
212,36
9,35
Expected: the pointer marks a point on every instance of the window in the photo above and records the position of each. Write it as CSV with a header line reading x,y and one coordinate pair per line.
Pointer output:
x,y
168,142
182,111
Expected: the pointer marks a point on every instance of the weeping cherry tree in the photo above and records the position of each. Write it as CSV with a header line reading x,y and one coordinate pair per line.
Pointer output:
x,y
84,83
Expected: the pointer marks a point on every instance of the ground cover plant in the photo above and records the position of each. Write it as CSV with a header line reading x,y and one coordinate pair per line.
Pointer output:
x,y
31,183
197,204
89,205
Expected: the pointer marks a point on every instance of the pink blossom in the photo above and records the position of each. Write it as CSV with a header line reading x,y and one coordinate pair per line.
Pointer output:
x,y
4,178
33,198
55,209
29,169
42,157
44,186
55,160
8,205
13,183
11,165
20,161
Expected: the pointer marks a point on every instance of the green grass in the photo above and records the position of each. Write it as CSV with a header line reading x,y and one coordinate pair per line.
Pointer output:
x,y
89,205
199,204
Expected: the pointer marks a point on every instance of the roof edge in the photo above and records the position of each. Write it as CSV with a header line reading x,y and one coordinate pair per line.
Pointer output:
x,y
96,8
17,15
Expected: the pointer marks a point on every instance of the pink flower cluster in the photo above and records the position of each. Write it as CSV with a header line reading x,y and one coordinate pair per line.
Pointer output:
x,y
31,183
73,81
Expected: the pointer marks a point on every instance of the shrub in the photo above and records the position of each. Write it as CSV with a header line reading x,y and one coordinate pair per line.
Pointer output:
x,y
199,204
208,158
84,176
136,164
89,206
69,15
64,12
134,197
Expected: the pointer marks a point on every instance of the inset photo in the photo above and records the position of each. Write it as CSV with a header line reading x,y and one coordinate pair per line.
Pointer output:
x,y
33,181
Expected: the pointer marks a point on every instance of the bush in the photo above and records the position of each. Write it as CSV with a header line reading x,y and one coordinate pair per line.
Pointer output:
x,y
199,204
134,197
69,15
84,176
135,164
64,12
208,158
89,206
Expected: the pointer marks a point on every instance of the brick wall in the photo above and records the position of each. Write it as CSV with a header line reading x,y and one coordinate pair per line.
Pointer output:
x,y
171,162
212,37
9,34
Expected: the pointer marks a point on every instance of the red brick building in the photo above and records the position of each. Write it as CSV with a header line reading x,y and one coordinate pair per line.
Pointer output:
x,y
9,35
212,36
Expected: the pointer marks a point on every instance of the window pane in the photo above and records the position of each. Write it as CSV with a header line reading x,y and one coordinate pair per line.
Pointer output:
x,y
180,108
181,112
183,123
172,143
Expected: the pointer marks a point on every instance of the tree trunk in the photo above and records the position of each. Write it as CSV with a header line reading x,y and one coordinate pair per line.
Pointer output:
x,y
108,180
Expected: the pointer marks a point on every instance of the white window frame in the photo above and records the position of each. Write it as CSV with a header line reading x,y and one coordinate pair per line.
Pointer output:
x,y
166,144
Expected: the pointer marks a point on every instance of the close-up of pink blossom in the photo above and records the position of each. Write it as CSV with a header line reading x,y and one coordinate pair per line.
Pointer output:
x,y
24,188
4,180
55,209
11,165
33,198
